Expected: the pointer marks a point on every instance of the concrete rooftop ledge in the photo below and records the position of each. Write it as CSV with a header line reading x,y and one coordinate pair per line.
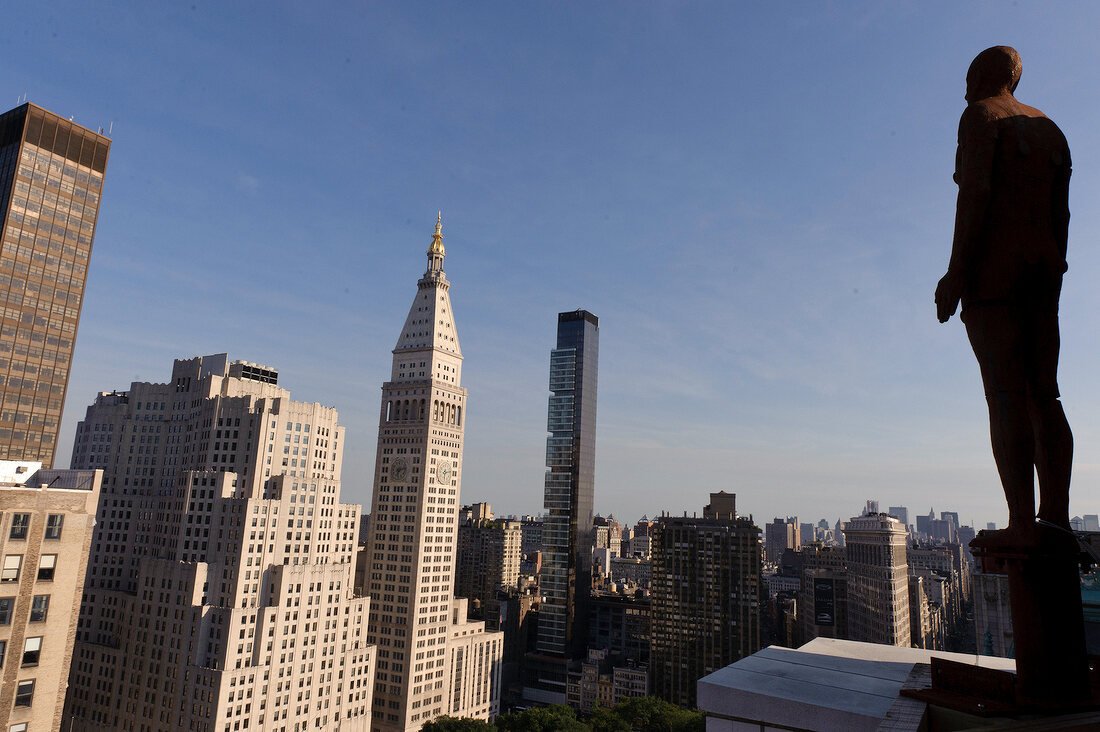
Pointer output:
x,y
826,684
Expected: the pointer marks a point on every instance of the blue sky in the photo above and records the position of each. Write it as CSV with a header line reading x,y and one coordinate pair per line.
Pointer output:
x,y
756,200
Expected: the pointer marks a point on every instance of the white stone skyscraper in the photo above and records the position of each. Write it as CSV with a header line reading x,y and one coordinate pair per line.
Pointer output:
x,y
431,661
219,588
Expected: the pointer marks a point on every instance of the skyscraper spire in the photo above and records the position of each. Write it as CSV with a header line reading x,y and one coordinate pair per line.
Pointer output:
x,y
436,252
437,238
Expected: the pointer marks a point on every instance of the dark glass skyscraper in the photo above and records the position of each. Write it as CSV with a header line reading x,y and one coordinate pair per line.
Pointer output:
x,y
51,176
566,578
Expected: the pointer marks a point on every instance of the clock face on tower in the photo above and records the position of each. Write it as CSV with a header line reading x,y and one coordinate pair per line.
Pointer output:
x,y
400,469
443,472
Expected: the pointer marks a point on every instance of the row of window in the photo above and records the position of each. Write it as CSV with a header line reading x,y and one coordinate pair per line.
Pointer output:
x,y
21,525
40,607
32,650
13,564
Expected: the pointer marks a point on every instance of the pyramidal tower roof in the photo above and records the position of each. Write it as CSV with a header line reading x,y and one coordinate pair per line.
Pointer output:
x,y
430,324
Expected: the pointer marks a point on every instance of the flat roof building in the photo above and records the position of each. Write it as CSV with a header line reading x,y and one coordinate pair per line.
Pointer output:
x,y
51,178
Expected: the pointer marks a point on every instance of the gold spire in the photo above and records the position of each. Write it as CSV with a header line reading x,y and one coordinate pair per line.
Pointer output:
x,y
437,238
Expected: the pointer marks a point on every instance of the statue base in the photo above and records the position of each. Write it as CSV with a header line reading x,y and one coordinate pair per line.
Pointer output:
x,y
1053,675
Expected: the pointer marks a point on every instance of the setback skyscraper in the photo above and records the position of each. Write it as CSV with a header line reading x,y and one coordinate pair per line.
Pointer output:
x,y
568,534
219,593
431,660
51,177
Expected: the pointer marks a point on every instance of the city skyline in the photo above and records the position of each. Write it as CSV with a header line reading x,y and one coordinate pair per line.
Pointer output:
x,y
762,243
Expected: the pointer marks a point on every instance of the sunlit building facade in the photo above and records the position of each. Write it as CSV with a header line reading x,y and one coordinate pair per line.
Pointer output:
x,y
219,594
46,519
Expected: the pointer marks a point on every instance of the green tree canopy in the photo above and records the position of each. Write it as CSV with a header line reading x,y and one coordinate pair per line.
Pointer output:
x,y
556,718
456,724
647,714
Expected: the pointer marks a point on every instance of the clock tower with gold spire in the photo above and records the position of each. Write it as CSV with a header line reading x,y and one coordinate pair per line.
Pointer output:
x,y
431,661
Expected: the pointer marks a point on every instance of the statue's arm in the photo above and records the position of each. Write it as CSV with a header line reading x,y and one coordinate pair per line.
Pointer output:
x,y
973,172
1060,206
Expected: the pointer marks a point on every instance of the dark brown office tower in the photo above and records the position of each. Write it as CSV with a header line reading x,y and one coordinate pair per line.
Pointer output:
x,y
51,176
705,606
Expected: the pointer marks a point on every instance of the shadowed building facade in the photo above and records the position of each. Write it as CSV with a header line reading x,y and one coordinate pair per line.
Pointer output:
x,y
705,607
51,177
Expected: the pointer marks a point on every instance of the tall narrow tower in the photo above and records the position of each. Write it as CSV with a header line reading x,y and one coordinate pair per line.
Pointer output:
x,y
427,666
566,578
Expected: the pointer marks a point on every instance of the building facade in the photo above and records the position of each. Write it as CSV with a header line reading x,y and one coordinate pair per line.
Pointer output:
x,y
568,537
426,646
51,178
993,615
779,536
219,591
878,580
705,606
488,561
823,598
46,519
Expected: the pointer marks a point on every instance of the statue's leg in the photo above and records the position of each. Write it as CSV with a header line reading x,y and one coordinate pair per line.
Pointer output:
x,y
996,337
1013,442
1053,459
1053,439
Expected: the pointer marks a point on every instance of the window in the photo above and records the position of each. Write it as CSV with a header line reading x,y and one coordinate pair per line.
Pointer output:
x,y
53,525
20,522
32,647
46,565
7,607
40,606
24,693
18,727
3,651
10,572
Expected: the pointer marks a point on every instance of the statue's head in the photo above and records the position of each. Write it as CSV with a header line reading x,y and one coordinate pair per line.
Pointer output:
x,y
994,71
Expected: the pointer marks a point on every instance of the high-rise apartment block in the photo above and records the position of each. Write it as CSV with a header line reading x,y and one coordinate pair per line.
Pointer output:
x,y
431,660
219,590
878,580
46,519
779,536
568,536
705,608
51,178
488,560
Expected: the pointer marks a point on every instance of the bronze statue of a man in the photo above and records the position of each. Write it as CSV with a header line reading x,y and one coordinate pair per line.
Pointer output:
x,y
1007,262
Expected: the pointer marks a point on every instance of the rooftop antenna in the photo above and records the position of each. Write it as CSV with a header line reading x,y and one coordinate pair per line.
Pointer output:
x,y
110,128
